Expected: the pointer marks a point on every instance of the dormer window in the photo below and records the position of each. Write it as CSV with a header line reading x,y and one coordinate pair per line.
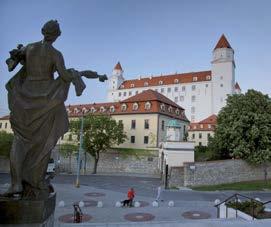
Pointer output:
x,y
112,109
68,110
123,107
122,86
201,126
84,110
195,127
160,82
195,78
92,109
176,81
76,110
146,84
208,77
162,107
170,109
209,126
135,106
132,85
102,109
177,111
147,106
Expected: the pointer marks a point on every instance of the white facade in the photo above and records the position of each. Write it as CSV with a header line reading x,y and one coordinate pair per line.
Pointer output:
x,y
199,98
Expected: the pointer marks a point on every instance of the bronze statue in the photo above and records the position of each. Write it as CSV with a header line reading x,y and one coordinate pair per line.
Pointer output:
x,y
37,113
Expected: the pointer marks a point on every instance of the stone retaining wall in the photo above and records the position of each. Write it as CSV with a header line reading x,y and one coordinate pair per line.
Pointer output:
x,y
217,172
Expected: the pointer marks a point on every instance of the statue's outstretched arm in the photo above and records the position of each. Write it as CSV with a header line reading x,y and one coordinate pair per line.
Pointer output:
x,y
93,75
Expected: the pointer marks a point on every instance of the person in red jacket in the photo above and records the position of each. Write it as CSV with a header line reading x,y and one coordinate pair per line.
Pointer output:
x,y
131,195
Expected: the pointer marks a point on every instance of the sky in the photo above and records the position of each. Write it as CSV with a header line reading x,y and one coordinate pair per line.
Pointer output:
x,y
148,37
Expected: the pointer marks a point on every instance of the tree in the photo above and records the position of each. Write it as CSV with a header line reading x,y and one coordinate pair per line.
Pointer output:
x,y
244,129
101,132
68,150
5,143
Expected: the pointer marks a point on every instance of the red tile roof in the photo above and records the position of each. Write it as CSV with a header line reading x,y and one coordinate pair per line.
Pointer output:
x,y
6,117
167,79
155,100
151,95
208,124
223,43
118,66
237,87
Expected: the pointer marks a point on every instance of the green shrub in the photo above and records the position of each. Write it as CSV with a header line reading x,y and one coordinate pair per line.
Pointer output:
x,y
5,143
247,207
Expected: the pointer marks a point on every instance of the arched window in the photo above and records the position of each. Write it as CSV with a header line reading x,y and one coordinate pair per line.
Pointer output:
x,y
147,106
92,110
135,106
177,111
102,109
132,85
176,81
170,109
146,84
160,82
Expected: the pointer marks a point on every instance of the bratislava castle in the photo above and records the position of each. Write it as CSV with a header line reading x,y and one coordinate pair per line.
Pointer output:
x,y
201,94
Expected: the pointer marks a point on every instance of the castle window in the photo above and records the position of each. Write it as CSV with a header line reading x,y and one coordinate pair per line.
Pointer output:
x,y
146,139
176,81
206,85
136,92
112,109
6,125
208,77
193,87
84,110
146,124
221,78
124,93
160,82
135,106
209,126
181,98
195,127
193,136
183,88
170,109
123,107
193,98
168,89
176,89
147,106
92,110
176,99
195,78
193,109
132,139
162,90
133,124
200,135
132,85
162,107
163,125
201,126
221,85
146,84
0,125
119,94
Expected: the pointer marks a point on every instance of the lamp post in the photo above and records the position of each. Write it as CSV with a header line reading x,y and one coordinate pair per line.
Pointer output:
x,y
77,184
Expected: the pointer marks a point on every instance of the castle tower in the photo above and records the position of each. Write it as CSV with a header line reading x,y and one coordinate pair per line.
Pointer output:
x,y
223,74
114,82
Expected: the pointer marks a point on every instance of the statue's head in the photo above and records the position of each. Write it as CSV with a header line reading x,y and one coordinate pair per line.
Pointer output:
x,y
51,30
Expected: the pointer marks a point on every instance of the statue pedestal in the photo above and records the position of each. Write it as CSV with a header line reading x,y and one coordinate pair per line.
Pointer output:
x,y
32,213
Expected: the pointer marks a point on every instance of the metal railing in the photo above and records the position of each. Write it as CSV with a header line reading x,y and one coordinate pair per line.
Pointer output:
x,y
237,196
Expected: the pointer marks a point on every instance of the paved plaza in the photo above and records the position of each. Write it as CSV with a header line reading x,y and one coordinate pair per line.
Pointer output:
x,y
191,208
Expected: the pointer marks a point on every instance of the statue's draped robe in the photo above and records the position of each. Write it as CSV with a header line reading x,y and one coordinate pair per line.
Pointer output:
x,y
38,118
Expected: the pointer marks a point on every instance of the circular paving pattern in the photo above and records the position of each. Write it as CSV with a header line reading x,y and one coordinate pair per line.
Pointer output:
x,y
88,203
95,194
138,217
143,203
196,215
68,218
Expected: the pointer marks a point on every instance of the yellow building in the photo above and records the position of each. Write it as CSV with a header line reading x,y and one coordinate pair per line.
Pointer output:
x,y
201,131
144,117
5,124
